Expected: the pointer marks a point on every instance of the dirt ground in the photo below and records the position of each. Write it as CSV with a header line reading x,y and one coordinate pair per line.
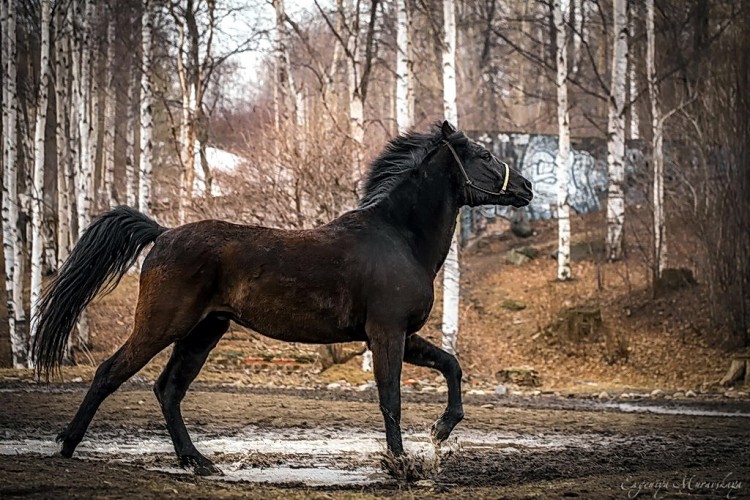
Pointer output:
x,y
505,448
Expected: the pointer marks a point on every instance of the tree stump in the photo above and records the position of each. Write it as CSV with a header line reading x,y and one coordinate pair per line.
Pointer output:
x,y
674,279
580,324
739,369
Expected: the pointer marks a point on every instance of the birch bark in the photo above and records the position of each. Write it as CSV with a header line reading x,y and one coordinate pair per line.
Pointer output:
x,y
616,133
563,149
633,78
657,146
37,196
451,271
11,236
146,117
62,137
404,86
108,146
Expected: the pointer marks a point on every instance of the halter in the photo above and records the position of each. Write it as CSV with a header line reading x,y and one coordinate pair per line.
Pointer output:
x,y
470,183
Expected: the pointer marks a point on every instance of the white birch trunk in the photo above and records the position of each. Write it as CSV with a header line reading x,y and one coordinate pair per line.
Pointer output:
x,y
616,133
37,195
563,149
108,146
146,116
85,178
657,146
86,154
404,87
451,271
11,236
94,45
282,85
63,139
356,101
131,187
633,80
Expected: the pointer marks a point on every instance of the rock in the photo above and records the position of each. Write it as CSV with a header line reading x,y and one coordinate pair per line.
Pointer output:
x,y
475,392
76,380
516,258
488,406
624,395
603,395
333,386
513,305
690,394
428,388
501,390
534,393
657,393
678,394
442,389
520,225
363,387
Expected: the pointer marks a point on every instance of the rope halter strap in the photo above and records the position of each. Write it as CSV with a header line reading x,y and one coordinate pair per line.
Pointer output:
x,y
470,183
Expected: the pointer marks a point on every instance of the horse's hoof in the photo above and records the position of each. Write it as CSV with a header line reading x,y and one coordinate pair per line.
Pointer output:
x,y
61,437
443,427
440,431
201,466
207,470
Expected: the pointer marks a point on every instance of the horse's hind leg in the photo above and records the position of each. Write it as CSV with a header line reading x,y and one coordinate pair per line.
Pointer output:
x,y
421,353
187,359
151,334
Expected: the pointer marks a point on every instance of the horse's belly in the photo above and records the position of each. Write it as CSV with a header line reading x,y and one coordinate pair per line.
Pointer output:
x,y
302,319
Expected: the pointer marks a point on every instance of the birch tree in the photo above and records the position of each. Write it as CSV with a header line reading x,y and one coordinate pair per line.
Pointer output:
x,y
131,180
657,146
12,249
108,145
37,198
404,82
359,66
196,26
563,149
82,84
146,116
451,271
616,134
62,136
633,78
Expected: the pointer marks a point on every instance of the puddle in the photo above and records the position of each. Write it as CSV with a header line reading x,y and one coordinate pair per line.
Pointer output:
x,y
313,457
673,410
310,476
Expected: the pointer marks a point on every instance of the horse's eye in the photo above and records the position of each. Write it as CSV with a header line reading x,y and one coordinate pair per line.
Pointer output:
x,y
486,155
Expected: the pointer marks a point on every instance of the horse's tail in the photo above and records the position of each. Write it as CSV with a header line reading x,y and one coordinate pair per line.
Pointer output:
x,y
102,256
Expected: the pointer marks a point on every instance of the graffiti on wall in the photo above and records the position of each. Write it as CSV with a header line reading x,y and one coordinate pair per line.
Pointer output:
x,y
534,156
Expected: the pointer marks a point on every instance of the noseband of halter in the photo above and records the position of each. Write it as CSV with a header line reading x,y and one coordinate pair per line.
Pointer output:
x,y
470,183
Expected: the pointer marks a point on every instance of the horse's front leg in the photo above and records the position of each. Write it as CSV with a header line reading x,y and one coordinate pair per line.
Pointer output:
x,y
421,353
387,346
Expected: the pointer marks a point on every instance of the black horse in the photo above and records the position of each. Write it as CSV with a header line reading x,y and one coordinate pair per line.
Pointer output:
x,y
366,276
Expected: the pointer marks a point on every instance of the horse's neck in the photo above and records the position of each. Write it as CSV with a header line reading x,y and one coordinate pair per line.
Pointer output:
x,y
425,212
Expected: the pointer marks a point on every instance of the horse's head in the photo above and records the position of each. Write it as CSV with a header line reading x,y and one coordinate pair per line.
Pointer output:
x,y
486,180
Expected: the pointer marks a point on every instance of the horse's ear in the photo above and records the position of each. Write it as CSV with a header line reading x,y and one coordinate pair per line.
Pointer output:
x,y
447,129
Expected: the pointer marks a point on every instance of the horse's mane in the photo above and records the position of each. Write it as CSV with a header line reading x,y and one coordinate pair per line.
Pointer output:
x,y
402,155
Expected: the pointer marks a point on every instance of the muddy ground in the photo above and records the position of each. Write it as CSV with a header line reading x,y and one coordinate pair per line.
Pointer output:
x,y
327,444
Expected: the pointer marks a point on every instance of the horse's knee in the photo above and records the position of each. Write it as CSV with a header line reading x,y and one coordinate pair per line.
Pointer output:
x,y
452,367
